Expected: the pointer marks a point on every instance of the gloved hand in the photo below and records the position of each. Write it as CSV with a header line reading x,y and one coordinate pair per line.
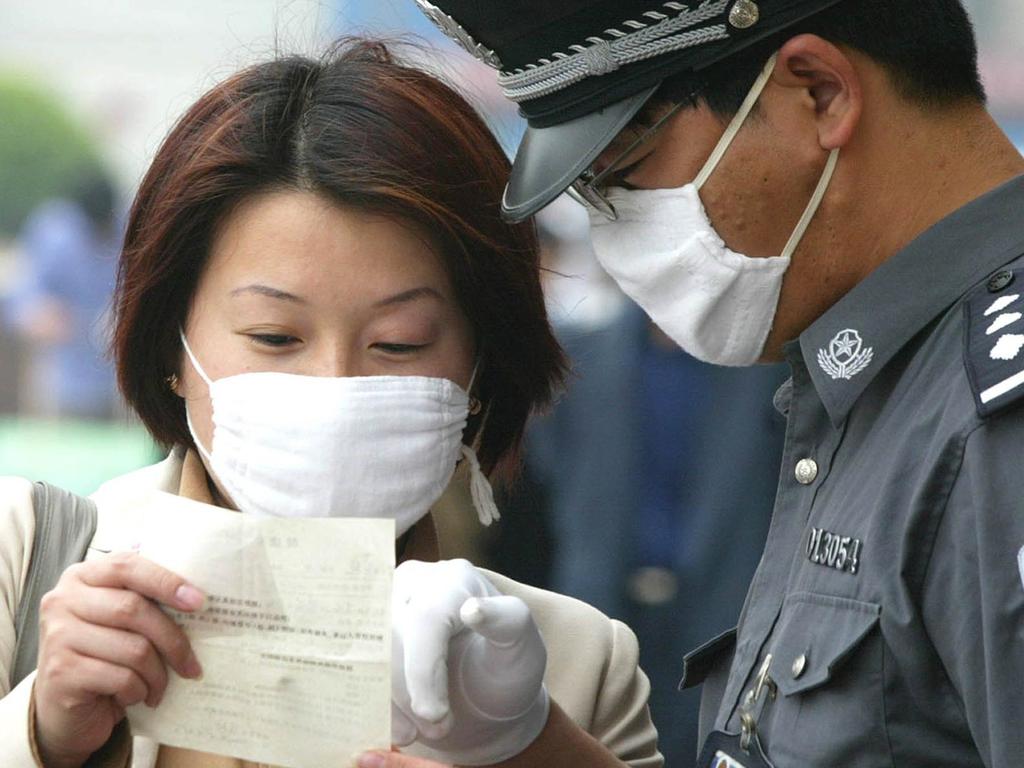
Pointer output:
x,y
467,665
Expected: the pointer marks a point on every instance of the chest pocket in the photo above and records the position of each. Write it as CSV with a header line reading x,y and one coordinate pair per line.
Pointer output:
x,y
827,658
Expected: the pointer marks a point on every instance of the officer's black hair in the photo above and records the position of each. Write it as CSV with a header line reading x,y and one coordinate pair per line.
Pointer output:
x,y
927,47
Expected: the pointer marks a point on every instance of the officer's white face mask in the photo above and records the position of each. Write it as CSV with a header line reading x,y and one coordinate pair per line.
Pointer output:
x,y
311,446
664,253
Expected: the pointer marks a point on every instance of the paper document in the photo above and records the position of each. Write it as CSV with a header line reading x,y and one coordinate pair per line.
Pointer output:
x,y
295,638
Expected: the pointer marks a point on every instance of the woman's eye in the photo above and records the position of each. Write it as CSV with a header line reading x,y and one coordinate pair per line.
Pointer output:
x,y
272,339
399,349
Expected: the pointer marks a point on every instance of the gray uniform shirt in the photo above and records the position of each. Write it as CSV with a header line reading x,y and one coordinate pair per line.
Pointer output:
x,y
890,594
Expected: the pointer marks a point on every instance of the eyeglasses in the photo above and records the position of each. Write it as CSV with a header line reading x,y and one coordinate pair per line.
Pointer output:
x,y
590,188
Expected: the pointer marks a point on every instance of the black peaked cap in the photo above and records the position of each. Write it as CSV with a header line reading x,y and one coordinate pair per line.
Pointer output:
x,y
581,69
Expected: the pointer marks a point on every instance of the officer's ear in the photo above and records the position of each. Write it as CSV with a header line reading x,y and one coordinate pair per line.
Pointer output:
x,y
831,82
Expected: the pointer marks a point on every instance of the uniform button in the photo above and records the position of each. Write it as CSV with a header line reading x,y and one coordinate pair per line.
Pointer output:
x,y
1000,281
799,665
806,471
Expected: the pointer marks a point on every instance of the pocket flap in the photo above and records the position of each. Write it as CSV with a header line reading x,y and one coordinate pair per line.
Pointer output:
x,y
698,663
817,633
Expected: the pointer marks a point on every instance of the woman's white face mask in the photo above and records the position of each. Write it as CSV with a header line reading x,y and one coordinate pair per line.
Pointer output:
x,y
665,254
310,446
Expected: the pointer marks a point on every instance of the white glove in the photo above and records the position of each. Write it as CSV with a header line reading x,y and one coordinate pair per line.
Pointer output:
x,y
468,665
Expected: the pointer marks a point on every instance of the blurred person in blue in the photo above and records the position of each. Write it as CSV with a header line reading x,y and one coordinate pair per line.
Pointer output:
x,y
59,302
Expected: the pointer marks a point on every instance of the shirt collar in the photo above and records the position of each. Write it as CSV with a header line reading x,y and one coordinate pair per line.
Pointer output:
x,y
854,340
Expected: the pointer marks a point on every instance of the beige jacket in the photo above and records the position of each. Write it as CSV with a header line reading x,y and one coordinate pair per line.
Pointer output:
x,y
592,660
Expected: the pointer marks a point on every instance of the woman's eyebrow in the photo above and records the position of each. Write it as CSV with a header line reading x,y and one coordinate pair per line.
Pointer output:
x,y
266,290
423,292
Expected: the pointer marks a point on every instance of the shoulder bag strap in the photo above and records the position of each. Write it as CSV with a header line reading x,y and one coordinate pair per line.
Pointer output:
x,y
65,524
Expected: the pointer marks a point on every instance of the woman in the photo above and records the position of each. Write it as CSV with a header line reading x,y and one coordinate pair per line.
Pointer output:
x,y
336,222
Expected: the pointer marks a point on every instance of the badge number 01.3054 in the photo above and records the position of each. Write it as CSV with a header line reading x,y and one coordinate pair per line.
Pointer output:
x,y
834,551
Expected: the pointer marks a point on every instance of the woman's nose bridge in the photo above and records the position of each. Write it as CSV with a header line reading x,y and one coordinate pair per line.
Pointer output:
x,y
336,357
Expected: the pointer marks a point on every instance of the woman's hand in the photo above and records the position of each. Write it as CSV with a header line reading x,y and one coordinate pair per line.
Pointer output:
x,y
104,645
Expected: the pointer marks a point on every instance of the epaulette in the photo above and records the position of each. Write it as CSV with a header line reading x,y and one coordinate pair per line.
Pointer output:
x,y
994,349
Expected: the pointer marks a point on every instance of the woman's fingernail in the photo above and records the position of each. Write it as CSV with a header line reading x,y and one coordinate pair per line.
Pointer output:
x,y
371,760
192,668
189,597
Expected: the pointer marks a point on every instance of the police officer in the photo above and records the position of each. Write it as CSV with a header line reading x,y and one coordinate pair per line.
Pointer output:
x,y
816,181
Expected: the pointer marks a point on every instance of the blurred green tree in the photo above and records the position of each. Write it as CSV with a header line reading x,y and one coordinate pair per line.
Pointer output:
x,y
44,149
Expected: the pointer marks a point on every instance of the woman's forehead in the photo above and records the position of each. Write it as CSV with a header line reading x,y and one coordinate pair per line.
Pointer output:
x,y
301,238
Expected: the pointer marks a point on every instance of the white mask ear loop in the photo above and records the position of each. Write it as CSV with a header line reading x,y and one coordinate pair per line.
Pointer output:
x,y
812,206
192,358
472,377
730,134
188,416
737,122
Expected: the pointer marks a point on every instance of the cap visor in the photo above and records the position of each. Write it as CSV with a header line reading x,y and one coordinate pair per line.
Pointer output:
x,y
550,159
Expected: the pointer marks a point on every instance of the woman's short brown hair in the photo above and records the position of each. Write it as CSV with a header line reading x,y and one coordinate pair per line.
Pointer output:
x,y
370,133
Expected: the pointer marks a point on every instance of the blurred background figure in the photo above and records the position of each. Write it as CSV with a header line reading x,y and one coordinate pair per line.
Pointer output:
x,y
59,238
58,302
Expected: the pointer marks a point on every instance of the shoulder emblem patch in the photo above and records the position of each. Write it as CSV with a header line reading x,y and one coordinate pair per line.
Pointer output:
x,y
995,341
